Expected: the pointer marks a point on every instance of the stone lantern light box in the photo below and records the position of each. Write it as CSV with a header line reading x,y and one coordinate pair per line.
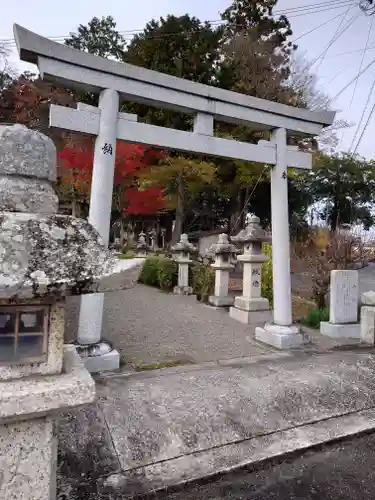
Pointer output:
x,y
24,334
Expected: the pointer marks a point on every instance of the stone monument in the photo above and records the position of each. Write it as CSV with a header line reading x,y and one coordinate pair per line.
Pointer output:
x,y
343,309
251,307
368,318
224,253
43,258
183,249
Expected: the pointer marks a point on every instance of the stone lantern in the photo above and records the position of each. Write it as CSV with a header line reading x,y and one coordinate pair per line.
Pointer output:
x,y
224,253
182,250
44,257
251,307
142,246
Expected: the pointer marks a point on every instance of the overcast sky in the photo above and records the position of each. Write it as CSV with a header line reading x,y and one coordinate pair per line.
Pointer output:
x,y
335,70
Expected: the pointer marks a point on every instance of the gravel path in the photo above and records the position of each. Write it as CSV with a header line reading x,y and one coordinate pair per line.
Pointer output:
x,y
148,326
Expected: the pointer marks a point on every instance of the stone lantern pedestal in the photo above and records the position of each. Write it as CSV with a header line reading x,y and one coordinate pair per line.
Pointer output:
x,y
183,249
223,252
251,307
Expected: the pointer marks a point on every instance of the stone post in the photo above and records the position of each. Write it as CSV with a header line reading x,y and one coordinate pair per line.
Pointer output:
x,y
343,307
368,318
183,249
251,307
89,341
223,252
142,246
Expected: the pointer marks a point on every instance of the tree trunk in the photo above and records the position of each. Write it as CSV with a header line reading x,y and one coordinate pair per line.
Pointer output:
x,y
237,219
180,211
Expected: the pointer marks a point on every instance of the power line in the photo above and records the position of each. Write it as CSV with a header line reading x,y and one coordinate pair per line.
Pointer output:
x,y
360,68
295,12
362,60
335,37
331,42
317,27
364,129
354,79
361,119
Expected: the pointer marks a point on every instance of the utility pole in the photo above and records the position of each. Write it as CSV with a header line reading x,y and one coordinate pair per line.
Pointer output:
x,y
367,6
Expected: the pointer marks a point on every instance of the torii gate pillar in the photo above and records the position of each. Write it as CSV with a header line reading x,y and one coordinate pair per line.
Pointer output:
x,y
281,333
98,353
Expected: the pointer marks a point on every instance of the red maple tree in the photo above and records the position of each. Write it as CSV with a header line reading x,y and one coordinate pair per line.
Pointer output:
x,y
132,160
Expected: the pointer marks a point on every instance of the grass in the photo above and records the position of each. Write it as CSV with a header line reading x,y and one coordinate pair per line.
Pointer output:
x,y
161,365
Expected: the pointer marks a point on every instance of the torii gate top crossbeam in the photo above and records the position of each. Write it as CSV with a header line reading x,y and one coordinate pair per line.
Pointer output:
x,y
81,70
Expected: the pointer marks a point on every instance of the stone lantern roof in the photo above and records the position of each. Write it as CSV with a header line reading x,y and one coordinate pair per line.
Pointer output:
x,y
222,247
253,233
184,245
43,253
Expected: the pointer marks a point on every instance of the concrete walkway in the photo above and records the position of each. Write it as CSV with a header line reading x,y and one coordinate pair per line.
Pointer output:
x,y
157,430
148,326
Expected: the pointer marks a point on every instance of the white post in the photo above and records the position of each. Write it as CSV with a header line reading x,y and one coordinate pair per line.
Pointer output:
x,y
91,312
282,295
281,333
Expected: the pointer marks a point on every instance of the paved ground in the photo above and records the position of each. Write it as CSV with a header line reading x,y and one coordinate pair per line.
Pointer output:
x,y
148,326
151,431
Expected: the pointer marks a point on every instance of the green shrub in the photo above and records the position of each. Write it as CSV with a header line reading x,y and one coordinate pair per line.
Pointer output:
x,y
314,318
202,279
267,278
149,273
160,272
167,273
128,255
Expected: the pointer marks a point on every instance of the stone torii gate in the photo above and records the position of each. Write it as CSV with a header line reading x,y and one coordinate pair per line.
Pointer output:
x,y
118,82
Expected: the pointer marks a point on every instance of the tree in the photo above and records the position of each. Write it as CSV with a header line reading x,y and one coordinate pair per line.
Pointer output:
x,y
99,37
131,161
179,46
254,35
7,73
306,84
182,178
27,99
344,186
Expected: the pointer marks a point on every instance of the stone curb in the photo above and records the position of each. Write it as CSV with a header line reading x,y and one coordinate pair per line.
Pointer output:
x,y
203,465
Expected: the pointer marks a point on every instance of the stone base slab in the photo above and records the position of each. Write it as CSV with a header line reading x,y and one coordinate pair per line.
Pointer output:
x,y
217,301
251,304
28,454
183,290
348,331
250,317
104,362
281,337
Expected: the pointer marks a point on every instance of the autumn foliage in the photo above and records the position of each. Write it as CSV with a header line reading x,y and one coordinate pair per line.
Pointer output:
x,y
132,160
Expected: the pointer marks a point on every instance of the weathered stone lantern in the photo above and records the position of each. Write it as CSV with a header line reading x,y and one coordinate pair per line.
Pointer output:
x,y
251,307
43,258
224,253
142,246
182,250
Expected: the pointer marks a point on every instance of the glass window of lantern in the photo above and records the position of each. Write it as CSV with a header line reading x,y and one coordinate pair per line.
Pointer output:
x,y
23,334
